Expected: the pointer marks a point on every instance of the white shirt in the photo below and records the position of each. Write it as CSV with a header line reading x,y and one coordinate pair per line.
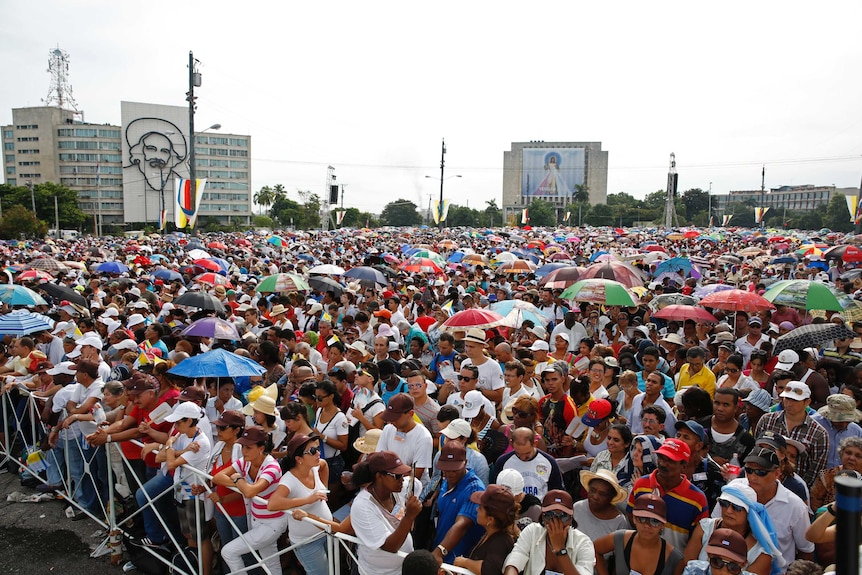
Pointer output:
x,y
525,558
490,374
414,447
372,529
634,421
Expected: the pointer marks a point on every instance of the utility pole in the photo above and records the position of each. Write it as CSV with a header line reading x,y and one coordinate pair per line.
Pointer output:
x,y
56,217
762,196
29,184
670,217
709,206
856,217
194,81
442,165
98,199
342,196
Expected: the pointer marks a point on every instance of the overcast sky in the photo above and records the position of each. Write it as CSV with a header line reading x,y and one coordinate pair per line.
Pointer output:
x,y
372,87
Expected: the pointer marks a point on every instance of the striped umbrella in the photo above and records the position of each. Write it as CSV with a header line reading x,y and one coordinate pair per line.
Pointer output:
x,y
416,265
47,264
517,267
561,278
480,318
33,275
213,280
284,282
22,322
603,291
474,259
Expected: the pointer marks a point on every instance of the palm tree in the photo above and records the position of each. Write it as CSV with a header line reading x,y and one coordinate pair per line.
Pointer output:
x,y
582,196
265,197
278,192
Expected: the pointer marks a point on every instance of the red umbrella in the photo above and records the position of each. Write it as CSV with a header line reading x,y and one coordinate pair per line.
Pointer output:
x,y
208,265
691,234
852,254
421,265
33,275
736,300
464,320
655,248
614,270
217,246
142,261
684,312
213,279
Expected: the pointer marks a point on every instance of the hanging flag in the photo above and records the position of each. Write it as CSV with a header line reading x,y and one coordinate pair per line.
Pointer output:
x,y
447,307
854,208
710,221
759,214
525,216
339,217
186,213
566,217
163,217
439,212
725,220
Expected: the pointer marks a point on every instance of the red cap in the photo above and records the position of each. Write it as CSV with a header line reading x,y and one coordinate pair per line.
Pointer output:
x,y
675,449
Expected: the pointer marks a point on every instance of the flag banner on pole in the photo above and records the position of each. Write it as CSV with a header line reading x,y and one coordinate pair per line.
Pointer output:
x,y
339,217
759,214
440,211
186,213
163,218
710,221
725,220
525,216
854,208
566,217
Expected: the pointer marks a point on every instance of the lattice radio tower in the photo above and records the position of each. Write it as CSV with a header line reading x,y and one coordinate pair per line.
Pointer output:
x,y
60,91
670,217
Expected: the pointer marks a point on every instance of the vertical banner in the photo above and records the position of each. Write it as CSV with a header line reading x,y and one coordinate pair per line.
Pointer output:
x,y
163,218
567,216
186,213
439,211
525,216
339,217
759,214
725,220
854,208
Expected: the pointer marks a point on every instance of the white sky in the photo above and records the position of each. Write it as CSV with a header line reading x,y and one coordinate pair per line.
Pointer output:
x,y
372,87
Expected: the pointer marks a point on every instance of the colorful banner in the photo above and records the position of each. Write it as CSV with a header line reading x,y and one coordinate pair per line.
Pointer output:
x,y
163,218
525,216
725,220
339,217
552,172
186,213
440,211
854,208
567,216
759,214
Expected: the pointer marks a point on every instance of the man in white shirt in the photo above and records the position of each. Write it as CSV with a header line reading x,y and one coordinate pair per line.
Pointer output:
x,y
409,440
491,382
575,330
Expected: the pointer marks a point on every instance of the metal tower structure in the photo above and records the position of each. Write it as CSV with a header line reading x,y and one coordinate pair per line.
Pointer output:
x,y
60,91
325,203
670,217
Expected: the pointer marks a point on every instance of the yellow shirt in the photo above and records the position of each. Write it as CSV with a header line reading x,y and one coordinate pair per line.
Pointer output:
x,y
703,379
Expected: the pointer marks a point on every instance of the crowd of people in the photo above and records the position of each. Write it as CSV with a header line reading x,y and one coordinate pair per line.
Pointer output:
x,y
442,396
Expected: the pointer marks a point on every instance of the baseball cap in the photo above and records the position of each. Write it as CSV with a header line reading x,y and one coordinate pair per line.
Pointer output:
x,y
760,399
496,498
191,393
511,479
398,405
453,457
650,505
230,418
254,435
755,320
771,439
473,403
540,345
796,390
729,544
184,410
675,450
597,411
763,456
692,426
92,341
557,500
383,313
555,367
135,319
389,462
140,382
457,428
64,367
787,359
538,331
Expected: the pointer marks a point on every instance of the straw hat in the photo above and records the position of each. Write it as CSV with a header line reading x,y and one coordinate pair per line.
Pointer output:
x,y
368,443
263,404
608,477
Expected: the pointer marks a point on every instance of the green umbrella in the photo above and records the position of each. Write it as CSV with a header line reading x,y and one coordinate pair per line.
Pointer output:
x,y
598,290
805,294
283,283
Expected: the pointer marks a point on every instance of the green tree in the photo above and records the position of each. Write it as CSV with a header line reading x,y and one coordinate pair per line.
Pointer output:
x,y
695,201
581,197
71,216
401,213
262,221
492,215
462,216
837,216
264,197
743,214
542,213
311,209
19,222
600,215
812,220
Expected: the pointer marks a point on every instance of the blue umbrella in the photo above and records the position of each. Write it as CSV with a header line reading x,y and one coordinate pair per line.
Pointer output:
x,y
305,257
548,268
218,363
710,289
596,255
20,295
517,312
367,276
222,263
22,322
456,257
112,268
167,275
784,260
674,265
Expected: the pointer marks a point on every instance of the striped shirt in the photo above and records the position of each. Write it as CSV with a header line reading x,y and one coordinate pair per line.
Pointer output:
x,y
810,434
271,472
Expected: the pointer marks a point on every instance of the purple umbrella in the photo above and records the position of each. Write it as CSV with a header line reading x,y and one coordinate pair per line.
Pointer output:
x,y
710,289
213,327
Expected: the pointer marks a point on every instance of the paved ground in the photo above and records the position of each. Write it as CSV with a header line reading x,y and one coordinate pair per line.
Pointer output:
x,y
38,538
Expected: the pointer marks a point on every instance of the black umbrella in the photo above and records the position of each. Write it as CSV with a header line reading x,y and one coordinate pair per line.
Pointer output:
x,y
200,300
368,277
325,284
851,275
386,270
812,335
60,293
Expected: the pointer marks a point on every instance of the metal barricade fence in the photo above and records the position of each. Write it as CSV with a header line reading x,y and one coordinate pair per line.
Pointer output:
x,y
23,429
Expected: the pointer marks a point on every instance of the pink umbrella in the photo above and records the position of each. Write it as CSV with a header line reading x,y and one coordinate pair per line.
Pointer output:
x,y
684,312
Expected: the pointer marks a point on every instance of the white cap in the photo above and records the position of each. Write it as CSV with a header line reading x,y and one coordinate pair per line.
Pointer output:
x,y
473,404
63,326
141,304
393,346
183,410
135,291
168,306
135,319
457,428
796,390
787,359
74,353
511,479
91,340
111,312
127,344
64,367
540,345
539,331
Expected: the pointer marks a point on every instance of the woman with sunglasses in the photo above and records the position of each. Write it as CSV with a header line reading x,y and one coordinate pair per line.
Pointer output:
x,y
642,550
554,543
725,555
303,486
734,378
330,424
382,514
742,514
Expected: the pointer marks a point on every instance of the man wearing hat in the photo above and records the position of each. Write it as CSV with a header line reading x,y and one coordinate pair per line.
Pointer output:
x,y
794,422
752,340
838,417
756,405
411,441
457,530
788,512
490,382
703,472
686,503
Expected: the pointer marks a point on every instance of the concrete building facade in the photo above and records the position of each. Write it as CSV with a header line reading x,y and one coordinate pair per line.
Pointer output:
x,y
791,198
550,171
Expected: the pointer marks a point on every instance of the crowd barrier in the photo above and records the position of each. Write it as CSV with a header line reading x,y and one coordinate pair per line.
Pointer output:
x,y
23,430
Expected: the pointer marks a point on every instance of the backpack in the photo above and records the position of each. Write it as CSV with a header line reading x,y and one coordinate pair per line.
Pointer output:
x,y
143,557
350,455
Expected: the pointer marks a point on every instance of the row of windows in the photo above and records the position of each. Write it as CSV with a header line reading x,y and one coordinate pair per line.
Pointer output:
x,y
78,145
33,139
91,170
222,174
225,197
221,152
91,181
28,151
27,127
221,141
223,208
67,157
91,206
30,175
90,194
36,163
213,163
227,185
88,133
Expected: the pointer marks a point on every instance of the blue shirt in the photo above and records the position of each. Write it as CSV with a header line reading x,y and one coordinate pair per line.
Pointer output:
x,y
438,357
668,391
455,502
835,437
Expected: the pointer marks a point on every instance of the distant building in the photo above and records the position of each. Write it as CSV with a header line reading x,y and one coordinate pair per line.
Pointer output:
x,y
803,198
551,171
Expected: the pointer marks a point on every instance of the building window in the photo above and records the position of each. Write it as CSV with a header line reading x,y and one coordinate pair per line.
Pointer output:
x,y
32,139
241,142
109,133
8,134
27,127
239,153
37,163
8,146
10,170
10,158
31,175
28,151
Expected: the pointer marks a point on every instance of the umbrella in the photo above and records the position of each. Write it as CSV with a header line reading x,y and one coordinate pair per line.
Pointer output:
x,y
546,269
561,278
218,363
19,295
48,264
674,265
684,312
326,270
324,284
783,260
416,265
464,320
208,264
60,293
112,268
213,279
617,271
32,275
736,300
515,312
385,270
517,267
708,289
667,299
217,246
200,300
277,241
198,254
167,275
284,282
474,259
213,327
604,291
812,335
22,322
368,277
804,294
851,275
852,254
432,255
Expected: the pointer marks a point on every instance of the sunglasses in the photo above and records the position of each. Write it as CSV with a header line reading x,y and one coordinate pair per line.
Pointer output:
x,y
725,504
561,515
320,397
363,372
519,413
465,378
311,451
650,521
395,476
719,563
728,370
757,472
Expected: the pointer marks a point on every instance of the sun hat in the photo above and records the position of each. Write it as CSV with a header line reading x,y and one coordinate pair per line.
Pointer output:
x,y
263,404
368,442
475,335
839,408
607,476
277,309
760,399
673,338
